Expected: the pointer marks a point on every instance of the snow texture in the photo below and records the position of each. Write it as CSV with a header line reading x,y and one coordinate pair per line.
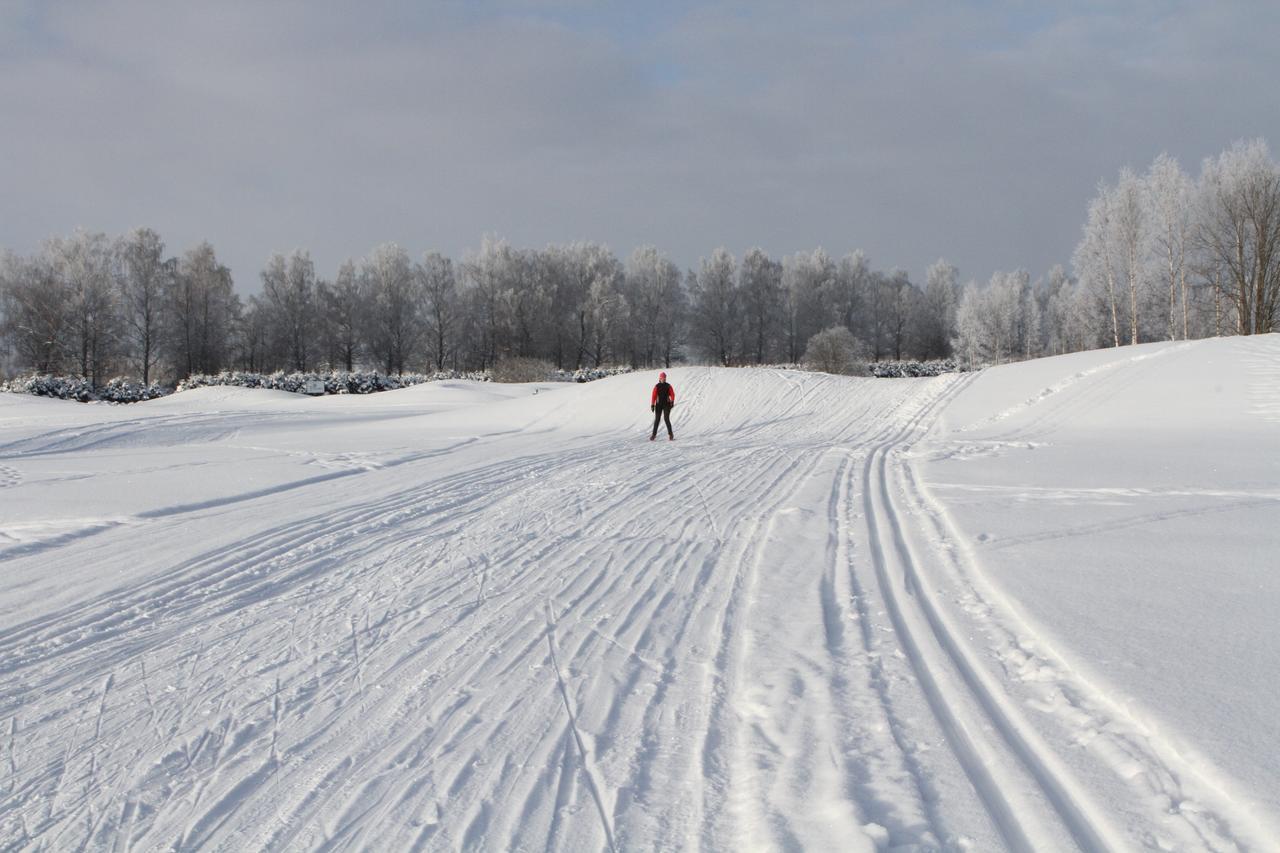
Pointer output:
x,y
1029,608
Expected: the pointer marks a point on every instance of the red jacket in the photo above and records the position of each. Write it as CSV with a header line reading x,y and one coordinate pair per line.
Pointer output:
x,y
671,394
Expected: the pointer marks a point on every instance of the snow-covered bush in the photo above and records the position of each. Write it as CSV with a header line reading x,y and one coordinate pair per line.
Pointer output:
x,y
121,390
536,370
835,350
339,382
118,390
588,374
903,369
60,387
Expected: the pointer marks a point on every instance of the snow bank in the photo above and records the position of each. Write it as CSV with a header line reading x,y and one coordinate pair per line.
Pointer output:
x,y
1127,503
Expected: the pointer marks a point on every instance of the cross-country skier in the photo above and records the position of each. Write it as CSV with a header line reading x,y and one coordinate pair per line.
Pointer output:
x,y
661,404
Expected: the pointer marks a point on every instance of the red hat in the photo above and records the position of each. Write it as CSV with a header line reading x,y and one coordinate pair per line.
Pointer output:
x,y
662,374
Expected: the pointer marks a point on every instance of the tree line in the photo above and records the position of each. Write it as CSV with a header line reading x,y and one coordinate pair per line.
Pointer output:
x,y
96,307
1162,256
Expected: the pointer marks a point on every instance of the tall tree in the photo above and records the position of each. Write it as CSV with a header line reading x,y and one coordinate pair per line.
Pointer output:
x,y
1169,198
852,281
652,287
809,279
1095,260
715,307
1240,232
937,310
1129,215
203,312
145,276
343,311
439,290
289,288
87,263
389,284
760,284
35,302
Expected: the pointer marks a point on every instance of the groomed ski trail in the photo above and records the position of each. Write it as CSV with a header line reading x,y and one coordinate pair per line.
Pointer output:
x,y
547,641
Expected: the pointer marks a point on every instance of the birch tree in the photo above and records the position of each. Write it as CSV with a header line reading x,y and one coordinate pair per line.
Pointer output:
x,y
1094,260
937,310
289,287
716,307
1240,232
760,286
387,282
1169,198
145,275
87,264
203,310
439,290
34,299
1129,217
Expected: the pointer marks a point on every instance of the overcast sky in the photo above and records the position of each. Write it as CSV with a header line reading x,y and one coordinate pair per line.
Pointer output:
x,y
970,131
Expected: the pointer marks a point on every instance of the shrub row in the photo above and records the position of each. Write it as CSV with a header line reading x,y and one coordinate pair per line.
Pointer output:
x,y
339,382
121,390
904,369
118,390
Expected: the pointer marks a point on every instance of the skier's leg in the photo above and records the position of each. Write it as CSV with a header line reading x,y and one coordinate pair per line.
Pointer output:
x,y
666,415
657,417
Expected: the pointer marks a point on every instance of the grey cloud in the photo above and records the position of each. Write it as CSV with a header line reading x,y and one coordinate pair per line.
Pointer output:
x,y
974,132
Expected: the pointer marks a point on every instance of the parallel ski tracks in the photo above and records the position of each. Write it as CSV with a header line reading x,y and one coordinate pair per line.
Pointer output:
x,y
530,654
979,721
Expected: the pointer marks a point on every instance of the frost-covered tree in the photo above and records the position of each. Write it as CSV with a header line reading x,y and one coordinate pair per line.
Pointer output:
x,y
255,334
903,303
809,280
1170,195
289,291
145,275
936,313
35,300
1129,218
203,311
1240,233
393,321
673,312
716,309
342,309
440,307
878,313
492,273
88,265
652,286
760,288
589,276
607,313
852,280
641,287
998,322
1096,256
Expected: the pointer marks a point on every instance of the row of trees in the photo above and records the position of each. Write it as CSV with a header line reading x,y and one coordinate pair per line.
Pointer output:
x,y
96,307
1166,256
1162,256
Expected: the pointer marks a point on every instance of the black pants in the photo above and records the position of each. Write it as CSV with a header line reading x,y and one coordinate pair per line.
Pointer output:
x,y
658,415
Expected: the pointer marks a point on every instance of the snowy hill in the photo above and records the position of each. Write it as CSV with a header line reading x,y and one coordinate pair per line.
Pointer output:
x,y
1030,608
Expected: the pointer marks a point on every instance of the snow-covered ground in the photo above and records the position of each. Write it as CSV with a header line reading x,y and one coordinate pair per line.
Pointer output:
x,y
1027,609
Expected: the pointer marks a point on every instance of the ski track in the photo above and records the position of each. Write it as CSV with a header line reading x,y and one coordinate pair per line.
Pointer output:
x,y
759,637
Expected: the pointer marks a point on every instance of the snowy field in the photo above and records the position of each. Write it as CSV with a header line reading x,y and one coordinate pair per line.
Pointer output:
x,y
1030,609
